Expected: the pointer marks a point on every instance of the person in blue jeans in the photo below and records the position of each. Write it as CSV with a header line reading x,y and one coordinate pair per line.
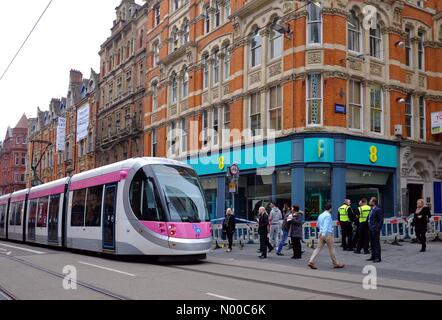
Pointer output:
x,y
286,228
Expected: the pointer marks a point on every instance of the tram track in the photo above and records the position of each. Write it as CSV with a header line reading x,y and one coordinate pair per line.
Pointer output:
x,y
329,279
6,294
83,284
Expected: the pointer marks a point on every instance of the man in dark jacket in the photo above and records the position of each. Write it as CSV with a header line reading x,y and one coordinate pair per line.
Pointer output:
x,y
345,218
229,226
263,231
375,223
296,233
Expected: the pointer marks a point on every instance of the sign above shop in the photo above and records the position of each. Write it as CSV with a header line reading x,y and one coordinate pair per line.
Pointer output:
x,y
436,122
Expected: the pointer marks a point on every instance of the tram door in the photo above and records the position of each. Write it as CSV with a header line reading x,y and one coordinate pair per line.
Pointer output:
x,y
54,207
109,217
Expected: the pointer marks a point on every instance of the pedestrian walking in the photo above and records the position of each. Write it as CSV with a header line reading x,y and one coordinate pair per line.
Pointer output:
x,y
345,218
229,226
420,223
296,232
375,223
286,223
363,231
263,231
274,220
325,225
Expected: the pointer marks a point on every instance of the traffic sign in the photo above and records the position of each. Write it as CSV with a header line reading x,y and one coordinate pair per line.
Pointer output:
x,y
234,170
233,187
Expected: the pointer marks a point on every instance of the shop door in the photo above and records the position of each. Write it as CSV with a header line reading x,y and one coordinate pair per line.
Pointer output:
x,y
415,192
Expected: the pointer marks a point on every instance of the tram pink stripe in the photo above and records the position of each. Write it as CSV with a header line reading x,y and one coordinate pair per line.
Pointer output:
x,y
18,198
100,180
47,192
4,201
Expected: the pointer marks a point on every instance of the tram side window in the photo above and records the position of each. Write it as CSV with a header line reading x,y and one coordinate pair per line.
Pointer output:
x,y
2,216
18,213
33,212
144,200
93,206
54,207
42,212
12,215
78,202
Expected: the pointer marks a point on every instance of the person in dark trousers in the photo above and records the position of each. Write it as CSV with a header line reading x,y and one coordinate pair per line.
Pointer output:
x,y
296,232
263,231
229,226
375,223
356,215
345,218
363,231
420,223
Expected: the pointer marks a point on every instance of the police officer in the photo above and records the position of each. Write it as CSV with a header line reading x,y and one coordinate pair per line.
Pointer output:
x,y
345,218
363,232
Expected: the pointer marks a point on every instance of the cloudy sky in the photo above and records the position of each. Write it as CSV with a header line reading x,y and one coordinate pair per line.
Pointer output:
x,y
68,37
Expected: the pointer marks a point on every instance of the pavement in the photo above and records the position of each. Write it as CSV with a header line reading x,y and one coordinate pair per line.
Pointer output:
x,y
39,273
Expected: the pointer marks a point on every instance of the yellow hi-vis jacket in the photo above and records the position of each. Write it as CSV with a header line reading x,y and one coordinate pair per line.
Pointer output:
x,y
343,213
364,212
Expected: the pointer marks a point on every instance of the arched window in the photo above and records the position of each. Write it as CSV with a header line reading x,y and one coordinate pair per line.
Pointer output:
x,y
174,91
215,67
314,24
227,10
175,40
156,53
185,92
376,42
207,20
255,49
185,32
354,33
276,42
420,50
157,12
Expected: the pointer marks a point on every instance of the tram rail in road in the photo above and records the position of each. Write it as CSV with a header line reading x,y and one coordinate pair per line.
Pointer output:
x,y
6,295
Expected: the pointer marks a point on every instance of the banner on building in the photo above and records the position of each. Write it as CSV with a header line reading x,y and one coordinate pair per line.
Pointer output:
x,y
436,122
61,134
82,122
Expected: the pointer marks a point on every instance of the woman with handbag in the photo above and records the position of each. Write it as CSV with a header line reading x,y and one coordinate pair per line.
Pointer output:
x,y
420,223
229,226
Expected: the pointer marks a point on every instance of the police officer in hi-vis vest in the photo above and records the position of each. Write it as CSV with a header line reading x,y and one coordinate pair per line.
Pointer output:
x,y
345,218
363,232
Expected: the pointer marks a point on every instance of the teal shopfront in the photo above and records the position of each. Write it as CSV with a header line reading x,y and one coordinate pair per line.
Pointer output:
x,y
306,170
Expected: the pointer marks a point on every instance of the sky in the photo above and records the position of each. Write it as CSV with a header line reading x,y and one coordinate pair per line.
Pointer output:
x,y
68,37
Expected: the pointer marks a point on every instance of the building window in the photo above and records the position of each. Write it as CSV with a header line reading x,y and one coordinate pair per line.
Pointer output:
x,y
215,127
205,127
422,128
157,12
18,140
420,51
215,68
376,42
409,117
156,54
354,33
185,31
154,96
355,105
184,135
176,4
174,91
408,51
172,138
205,72
255,49
226,70
154,143
90,147
175,39
226,123
276,42
376,107
314,24
275,108
317,191
185,92
314,99
207,20
217,14
227,10
255,114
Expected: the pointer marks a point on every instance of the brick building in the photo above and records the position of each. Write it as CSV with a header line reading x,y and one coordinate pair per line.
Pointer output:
x,y
340,107
120,113
58,153
13,158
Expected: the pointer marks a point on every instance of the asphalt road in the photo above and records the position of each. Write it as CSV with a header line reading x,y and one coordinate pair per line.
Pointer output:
x,y
39,273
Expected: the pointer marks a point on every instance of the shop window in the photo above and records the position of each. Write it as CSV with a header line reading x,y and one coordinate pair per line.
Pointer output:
x,y
283,188
317,191
210,187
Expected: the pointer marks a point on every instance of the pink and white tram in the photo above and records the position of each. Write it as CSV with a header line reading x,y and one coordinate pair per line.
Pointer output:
x,y
142,206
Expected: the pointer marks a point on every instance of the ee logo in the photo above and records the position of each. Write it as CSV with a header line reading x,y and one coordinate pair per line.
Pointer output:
x,y
373,154
221,163
321,149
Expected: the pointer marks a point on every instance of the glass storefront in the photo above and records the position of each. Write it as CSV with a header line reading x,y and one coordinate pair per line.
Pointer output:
x,y
210,186
317,191
283,188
